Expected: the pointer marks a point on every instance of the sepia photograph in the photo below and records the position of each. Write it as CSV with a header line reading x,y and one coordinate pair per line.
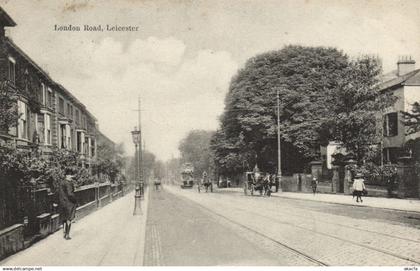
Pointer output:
x,y
209,133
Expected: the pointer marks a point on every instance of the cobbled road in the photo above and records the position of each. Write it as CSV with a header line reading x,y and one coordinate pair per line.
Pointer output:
x,y
185,227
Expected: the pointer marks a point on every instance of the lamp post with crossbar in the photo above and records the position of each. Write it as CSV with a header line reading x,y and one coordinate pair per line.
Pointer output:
x,y
136,135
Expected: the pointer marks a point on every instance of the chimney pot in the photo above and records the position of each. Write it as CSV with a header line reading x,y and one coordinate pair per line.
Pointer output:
x,y
405,65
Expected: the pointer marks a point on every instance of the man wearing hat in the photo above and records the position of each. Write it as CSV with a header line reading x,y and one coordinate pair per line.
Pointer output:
x,y
67,202
358,186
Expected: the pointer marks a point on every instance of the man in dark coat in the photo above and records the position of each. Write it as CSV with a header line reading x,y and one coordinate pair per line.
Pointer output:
x,y
67,203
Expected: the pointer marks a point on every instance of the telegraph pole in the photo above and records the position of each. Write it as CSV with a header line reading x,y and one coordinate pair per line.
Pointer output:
x,y
140,154
279,173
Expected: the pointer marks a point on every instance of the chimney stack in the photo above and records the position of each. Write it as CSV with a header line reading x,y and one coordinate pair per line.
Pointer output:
x,y
5,21
405,65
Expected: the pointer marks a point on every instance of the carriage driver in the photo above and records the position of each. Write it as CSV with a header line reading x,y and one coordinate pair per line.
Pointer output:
x,y
257,174
204,177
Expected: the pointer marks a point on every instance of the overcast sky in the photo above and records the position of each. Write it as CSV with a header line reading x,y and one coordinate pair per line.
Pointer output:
x,y
182,58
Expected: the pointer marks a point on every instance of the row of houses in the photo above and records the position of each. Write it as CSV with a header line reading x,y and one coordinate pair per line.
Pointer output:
x,y
49,114
49,117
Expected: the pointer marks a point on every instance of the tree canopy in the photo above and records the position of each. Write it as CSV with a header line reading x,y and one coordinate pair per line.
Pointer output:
x,y
195,149
324,95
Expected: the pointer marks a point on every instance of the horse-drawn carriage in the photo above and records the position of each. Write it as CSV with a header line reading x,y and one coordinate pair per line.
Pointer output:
x,y
205,183
261,182
187,176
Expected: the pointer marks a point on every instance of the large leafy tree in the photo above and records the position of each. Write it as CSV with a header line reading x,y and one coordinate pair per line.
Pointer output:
x,y
195,149
323,96
301,76
356,103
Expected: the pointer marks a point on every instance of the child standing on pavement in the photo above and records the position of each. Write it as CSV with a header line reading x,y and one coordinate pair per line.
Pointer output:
x,y
358,187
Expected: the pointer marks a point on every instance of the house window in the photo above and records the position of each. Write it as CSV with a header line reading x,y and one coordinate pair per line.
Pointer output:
x,y
62,136
69,137
390,124
12,70
77,116
23,120
92,147
71,112
40,127
79,142
43,94
49,98
47,124
61,106
86,146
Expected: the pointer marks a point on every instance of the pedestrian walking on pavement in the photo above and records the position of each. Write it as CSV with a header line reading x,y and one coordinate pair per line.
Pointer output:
x,y
358,187
67,203
314,184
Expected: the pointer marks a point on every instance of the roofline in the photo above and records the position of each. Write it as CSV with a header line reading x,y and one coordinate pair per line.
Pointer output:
x,y
9,19
46,75
107,138
75,100
32,62
400,82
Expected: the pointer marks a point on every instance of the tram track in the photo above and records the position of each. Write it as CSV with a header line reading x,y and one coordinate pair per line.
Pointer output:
x,y
289,248
341,225
335,237
344,226
312,231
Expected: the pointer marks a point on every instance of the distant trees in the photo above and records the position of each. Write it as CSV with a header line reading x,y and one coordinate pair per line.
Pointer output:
x,y
148,166
323,96
195,149
159,170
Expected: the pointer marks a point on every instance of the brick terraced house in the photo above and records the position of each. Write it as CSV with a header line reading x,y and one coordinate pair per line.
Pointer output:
x,y
50,115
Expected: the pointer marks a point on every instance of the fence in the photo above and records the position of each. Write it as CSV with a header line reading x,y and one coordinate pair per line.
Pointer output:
x,y
340,181
9,211
28,214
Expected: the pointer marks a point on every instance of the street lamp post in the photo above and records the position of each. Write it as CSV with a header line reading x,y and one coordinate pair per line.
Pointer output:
x,y
279,173
136,134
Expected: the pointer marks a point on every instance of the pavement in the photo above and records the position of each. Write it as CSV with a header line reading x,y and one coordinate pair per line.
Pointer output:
x,y
409,205
322,232
184,227
109,236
